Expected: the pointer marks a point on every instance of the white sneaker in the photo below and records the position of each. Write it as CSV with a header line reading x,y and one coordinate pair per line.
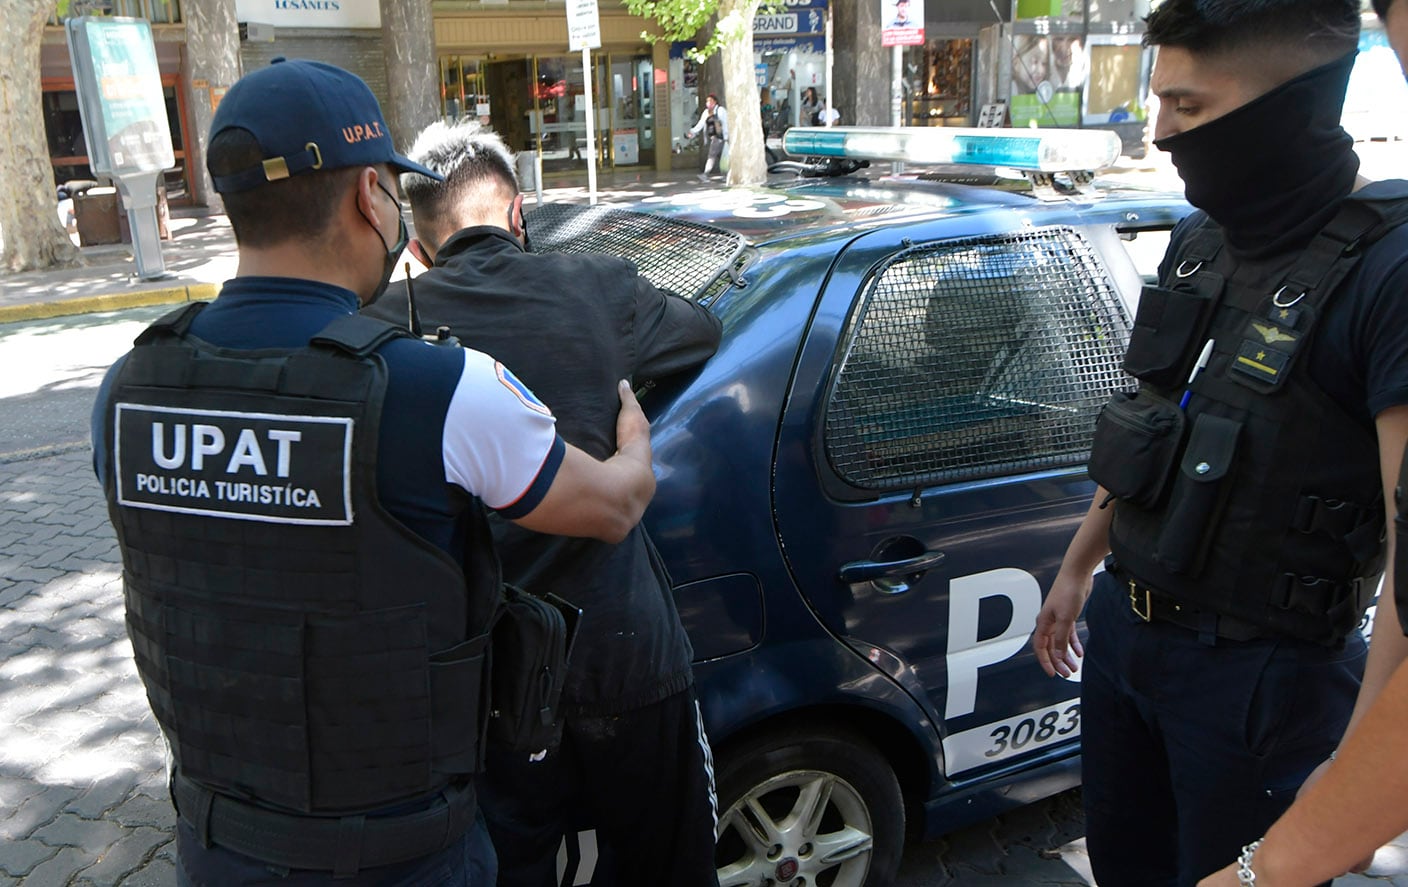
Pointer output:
x,y
701,177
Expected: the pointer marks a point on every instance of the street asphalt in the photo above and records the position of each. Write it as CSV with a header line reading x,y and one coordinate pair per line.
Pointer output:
x,y
82,781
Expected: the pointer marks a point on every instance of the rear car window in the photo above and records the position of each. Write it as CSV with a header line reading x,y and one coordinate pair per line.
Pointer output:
x,y
975,358
676,255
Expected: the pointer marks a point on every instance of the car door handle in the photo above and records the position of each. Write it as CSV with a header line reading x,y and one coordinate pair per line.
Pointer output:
x,y
869,571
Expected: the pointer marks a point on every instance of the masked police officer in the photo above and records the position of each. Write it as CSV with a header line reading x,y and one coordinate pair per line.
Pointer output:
x,y
1359,803
1240,489
299,496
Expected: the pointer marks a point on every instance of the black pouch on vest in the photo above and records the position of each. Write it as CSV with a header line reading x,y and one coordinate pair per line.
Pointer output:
x,y
1169,328
1136,441
1198,494
530,651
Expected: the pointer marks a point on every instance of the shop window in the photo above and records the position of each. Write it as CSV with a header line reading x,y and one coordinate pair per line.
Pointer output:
x,y
68,152
943,92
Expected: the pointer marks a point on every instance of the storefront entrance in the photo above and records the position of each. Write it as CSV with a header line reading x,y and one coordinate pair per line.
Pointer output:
x,y
539,103
68,153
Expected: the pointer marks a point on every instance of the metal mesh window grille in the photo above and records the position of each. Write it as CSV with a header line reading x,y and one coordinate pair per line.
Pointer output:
x,y
976,358
674,254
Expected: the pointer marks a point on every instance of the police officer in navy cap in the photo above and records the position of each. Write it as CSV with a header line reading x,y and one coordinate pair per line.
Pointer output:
x,y
300,498
1245,484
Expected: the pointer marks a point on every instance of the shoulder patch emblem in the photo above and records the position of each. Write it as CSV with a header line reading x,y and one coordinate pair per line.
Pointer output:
x,y
520,391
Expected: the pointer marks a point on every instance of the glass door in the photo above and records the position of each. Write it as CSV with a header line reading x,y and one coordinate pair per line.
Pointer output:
x,y
629,93
560,112
462,89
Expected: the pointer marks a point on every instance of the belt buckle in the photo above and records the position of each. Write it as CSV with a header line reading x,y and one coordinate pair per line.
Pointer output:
x,y
1134,601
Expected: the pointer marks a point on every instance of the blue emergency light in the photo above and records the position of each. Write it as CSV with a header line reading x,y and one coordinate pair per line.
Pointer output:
x,y
1029,150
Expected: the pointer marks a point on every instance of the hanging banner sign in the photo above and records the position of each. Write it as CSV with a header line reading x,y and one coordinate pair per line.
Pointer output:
x,y
786,23
901,22
311,13
583,25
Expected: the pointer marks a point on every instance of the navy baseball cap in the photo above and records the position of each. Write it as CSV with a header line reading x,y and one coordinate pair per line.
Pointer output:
x,y
306,115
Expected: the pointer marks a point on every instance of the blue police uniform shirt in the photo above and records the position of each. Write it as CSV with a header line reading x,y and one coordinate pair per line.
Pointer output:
x,y
452,418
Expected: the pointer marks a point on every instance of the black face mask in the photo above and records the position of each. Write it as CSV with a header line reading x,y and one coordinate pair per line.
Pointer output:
x,y
393,252
1273,172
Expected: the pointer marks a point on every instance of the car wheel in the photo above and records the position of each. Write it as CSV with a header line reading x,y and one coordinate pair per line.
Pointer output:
x,y
803,809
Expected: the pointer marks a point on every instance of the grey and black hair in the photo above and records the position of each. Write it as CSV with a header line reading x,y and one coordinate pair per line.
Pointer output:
x,y
467,154
1326,28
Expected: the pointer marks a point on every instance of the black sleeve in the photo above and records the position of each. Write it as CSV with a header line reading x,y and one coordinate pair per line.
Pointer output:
x,y
1384,328
672,334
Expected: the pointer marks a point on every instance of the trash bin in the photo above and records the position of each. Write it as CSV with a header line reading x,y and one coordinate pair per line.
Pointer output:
x,y
95,213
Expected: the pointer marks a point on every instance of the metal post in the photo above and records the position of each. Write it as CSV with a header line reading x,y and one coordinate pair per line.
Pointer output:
x,y
591,125
896,96
139,199
830,59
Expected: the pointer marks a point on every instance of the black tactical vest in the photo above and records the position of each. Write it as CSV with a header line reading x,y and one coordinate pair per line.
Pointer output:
x,y
1248,491
299,646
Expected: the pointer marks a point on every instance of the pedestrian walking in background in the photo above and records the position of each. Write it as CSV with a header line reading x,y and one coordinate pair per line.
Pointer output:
x,y
713,124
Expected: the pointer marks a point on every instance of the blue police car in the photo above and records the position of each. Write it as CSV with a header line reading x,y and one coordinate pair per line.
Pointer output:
x,y
864,494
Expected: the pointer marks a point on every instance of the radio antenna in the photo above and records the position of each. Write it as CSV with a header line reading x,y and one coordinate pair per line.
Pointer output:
x,y
413,316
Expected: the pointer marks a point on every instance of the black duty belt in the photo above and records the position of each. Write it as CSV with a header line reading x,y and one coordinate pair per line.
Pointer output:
x,y
1153,605
340,844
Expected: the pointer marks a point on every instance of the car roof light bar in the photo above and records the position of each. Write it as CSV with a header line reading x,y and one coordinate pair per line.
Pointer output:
x,y
1029,150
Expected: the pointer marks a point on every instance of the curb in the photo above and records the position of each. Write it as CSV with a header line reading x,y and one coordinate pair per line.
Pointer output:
x,y
109,302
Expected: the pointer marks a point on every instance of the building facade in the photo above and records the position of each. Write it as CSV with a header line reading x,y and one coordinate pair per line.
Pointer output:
x,y
506,62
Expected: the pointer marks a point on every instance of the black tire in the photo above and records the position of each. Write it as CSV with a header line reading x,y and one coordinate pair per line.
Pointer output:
x,y
863,807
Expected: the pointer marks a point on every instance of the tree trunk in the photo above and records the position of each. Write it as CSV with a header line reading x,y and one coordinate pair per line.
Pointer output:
x,y
412,71
747,157
30,234
212,55
861,89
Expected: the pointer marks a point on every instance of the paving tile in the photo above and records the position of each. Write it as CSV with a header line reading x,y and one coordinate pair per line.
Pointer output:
x,y
68,830
133,850
59,868
143,810
160,872
18,858
34,812
100,798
